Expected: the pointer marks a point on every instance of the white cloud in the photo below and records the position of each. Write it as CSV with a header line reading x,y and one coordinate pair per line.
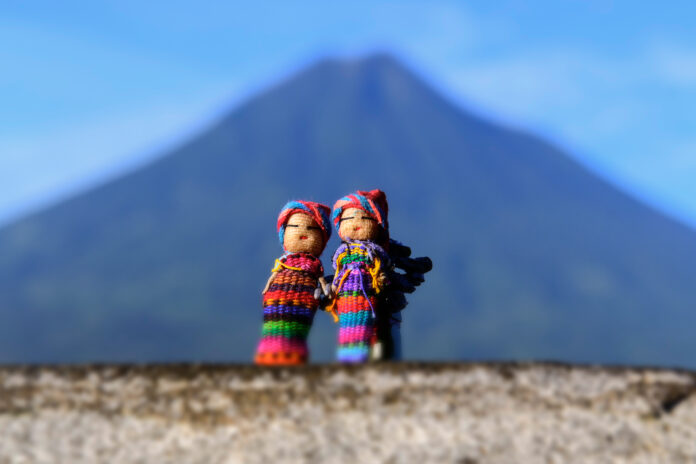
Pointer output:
x,y
520,84
38,168
610,111
683,157
673,63
569,93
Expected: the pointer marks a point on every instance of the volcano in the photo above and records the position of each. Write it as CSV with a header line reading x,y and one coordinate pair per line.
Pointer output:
x,y
535,255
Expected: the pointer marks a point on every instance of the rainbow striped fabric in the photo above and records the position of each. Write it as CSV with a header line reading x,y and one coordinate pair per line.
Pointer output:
x,y
357,265
288,311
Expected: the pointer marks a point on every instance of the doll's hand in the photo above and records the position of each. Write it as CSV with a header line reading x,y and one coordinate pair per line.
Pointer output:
x,y
326,289
323,290
324,298
268,284
322,293
382,279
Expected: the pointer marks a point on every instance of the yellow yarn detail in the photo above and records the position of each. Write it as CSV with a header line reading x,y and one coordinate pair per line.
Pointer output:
x,y
374,272
333,312
332,307
279,265
340,259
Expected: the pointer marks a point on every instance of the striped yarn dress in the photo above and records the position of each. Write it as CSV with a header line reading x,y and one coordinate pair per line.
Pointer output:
x,y
288,310
357,264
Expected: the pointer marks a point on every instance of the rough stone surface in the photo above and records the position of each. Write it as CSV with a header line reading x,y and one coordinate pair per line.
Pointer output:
x,y
464,413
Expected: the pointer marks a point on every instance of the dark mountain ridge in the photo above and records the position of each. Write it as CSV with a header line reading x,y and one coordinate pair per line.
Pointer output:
x,y
535,255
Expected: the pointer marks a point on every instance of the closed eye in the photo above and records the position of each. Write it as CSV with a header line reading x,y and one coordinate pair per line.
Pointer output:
x,y
346,219
291,225
369,218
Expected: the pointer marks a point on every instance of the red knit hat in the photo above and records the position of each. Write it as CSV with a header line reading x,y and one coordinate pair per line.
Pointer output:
x,y
319,212
373,202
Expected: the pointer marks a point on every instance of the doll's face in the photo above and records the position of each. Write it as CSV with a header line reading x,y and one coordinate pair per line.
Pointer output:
x,y
356,224
303,235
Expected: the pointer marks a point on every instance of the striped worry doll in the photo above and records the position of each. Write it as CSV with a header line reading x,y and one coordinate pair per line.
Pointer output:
x,y
289,303
360,263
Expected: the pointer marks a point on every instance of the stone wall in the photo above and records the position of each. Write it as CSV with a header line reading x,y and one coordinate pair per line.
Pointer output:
x,y
466,413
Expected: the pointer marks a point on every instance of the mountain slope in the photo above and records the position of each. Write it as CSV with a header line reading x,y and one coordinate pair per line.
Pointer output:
x,y
535,256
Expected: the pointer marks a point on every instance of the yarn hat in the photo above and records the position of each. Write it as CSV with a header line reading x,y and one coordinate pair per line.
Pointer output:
x,y
373,202
317,211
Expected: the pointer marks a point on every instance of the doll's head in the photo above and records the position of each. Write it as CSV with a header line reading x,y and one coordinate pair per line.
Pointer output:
x,y
304,227
362,216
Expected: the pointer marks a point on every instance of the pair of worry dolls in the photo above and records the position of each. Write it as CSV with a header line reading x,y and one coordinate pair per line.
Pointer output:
x,y
366,293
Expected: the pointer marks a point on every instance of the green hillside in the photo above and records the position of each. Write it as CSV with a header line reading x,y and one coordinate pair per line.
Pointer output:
x,y
534,255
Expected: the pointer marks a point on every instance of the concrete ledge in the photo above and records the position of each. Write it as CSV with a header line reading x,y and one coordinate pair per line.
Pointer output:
x,y
404,412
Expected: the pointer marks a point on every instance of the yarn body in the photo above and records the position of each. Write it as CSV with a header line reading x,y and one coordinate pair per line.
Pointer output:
x,y
288,310
357,265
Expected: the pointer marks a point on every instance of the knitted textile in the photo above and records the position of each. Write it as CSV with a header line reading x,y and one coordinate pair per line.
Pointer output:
x,y
320,214
373,203
288,310
357,265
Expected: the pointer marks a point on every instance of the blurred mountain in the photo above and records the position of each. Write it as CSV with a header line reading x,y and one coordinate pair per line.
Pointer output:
x,y
535,256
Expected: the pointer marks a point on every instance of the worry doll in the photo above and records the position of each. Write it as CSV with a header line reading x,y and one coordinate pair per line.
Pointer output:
x,y
289,303
360,265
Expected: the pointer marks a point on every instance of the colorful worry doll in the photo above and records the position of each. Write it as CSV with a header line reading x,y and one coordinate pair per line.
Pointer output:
x,y
360,264
288,298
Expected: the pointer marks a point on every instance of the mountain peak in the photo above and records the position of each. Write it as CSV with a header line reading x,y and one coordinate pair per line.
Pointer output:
x,y
377,72
374,83
379,60
534,254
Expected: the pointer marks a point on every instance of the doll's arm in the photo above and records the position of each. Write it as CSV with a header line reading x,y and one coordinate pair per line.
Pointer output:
x,y
330,300
325,287
268,284
334,284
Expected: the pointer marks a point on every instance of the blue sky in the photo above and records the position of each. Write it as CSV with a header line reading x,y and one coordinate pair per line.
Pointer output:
x,y
92,89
